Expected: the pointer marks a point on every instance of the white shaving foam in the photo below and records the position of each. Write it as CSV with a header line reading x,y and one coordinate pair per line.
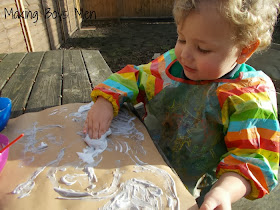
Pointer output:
x,y
58,111
136,194
70,192
25,188
96,147
68,180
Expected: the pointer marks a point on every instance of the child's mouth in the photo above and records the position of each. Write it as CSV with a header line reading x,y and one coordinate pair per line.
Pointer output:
x,y
188,69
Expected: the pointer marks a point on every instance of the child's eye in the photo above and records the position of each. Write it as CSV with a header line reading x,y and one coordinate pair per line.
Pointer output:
x,y
203,51
181,41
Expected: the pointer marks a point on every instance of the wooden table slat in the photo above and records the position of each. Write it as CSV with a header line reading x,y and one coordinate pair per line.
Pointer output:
x,y
2,56
97,67
8,65
76,84
47,88
18,88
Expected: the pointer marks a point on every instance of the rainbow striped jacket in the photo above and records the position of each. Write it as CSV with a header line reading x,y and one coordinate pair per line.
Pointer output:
x,y
225,125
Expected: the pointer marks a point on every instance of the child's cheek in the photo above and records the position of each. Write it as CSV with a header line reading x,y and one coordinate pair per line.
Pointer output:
x,y
209,69
205,65
178,51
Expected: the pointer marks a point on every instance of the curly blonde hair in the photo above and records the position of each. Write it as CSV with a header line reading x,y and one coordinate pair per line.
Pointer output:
x,y
250,19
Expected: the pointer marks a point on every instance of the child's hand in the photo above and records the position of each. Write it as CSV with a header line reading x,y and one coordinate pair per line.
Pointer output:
x,y
229,188
99,118
216,198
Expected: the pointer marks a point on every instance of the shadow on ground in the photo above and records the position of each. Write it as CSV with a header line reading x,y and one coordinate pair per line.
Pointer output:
x,y
126,42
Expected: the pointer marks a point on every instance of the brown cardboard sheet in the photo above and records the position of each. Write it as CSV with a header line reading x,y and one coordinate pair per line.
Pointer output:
x,y
129,174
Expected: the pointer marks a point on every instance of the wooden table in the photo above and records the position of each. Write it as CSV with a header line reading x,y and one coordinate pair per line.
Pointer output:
x,y
38,80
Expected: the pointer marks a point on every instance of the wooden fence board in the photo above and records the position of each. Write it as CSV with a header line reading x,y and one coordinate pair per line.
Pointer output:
x,y
97,67
19,86
167,6
126,8
47,89
8,65
75,79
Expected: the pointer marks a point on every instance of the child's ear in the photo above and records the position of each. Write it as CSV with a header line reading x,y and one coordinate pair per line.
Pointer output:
x,y
247,51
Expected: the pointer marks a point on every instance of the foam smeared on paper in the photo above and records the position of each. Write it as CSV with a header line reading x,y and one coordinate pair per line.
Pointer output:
x,y
133,193
96,147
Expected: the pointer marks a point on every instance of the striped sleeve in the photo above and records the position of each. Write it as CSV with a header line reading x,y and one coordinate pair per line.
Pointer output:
x,y
134,83
249,115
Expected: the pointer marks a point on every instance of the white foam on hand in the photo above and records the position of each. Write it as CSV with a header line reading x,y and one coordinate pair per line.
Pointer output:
x,y
96,147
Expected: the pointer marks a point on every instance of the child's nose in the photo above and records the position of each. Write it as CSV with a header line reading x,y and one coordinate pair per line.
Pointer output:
x,y
187,54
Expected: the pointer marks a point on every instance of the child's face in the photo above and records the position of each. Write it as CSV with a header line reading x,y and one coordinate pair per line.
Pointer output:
x,y
204,47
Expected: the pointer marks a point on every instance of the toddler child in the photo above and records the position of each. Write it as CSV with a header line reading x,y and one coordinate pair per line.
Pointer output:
x,y
213,116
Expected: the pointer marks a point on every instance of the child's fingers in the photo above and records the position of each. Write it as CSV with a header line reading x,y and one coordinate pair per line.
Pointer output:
x,y
85,128
93,131
90,127
104,128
